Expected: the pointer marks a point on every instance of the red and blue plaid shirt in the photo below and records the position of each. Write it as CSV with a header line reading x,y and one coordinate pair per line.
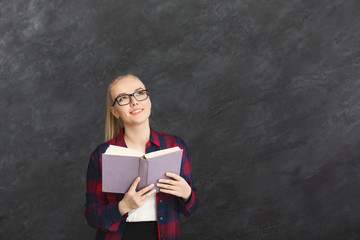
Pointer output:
x,y
102,208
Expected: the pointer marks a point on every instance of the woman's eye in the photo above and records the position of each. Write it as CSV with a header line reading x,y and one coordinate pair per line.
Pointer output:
x,y
142,92
123,98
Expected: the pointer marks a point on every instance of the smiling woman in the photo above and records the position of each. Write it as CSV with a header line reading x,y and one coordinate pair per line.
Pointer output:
x,y
114,123
125,105
137,214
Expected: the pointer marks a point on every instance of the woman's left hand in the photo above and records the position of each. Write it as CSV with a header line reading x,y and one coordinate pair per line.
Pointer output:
x,y
176,186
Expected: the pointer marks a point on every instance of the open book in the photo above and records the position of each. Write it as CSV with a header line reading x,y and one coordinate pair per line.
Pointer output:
x,y
120,167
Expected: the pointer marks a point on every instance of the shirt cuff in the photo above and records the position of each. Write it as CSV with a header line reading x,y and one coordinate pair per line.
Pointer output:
x,y
116,215
189,201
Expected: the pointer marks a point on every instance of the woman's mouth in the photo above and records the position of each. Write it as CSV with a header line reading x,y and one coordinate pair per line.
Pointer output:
x,y
136,111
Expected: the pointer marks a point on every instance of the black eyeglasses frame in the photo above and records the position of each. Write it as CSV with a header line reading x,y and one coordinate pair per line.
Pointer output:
x,y
130,95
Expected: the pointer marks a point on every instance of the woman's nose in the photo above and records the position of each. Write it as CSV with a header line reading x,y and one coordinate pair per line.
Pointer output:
x,y
133,100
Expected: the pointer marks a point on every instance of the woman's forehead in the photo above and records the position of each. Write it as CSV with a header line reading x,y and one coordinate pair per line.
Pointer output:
x,y
127,85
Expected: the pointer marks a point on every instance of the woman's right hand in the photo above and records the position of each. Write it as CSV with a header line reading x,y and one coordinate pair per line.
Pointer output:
x,y
132,199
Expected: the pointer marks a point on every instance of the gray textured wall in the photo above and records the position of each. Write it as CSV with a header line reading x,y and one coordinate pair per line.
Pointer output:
x,y
265,93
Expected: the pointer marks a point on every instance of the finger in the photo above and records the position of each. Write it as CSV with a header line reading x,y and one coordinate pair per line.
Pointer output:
x,y
172,192
134,184
167,181
174,176
166,186
145,189
147,195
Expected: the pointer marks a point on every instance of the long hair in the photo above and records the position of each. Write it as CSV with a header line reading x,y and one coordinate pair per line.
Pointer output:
x,y
113,125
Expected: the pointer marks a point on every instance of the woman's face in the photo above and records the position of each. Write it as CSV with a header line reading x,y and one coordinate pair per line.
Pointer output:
x,y
136,112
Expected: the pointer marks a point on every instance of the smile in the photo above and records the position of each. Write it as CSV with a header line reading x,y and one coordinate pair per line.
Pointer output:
x,y
137,111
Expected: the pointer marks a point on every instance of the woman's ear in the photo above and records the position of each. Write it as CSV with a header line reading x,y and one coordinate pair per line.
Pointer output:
x,y
114,112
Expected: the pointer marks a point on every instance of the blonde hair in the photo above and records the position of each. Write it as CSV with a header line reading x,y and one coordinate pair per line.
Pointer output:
x,y
113,125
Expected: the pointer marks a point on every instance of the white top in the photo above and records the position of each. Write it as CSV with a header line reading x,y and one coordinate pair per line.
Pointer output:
x,y
146,212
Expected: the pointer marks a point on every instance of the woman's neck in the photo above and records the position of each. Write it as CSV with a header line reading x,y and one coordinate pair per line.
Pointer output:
x,y
137,136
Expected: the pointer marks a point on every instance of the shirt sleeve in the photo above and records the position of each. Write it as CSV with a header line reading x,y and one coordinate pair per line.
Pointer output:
x,y
189,207
99,213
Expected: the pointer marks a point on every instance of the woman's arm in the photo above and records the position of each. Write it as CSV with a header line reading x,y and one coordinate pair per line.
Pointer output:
x,y
189,207
99,212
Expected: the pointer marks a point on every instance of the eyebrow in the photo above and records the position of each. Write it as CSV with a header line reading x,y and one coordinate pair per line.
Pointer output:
x,y
127,93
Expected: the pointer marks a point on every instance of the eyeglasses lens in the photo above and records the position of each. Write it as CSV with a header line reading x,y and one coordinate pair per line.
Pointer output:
x,y
139,96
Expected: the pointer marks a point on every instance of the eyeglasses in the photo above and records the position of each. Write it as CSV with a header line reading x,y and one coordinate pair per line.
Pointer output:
x,y
125,99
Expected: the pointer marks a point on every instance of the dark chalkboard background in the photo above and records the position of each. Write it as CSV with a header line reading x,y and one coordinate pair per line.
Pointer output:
x,y
266,95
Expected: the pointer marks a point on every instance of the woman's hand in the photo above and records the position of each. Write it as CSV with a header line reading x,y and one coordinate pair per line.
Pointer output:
x,y
133,199
177,187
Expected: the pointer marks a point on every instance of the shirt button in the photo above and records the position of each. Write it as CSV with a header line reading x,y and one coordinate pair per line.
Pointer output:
x,y
160,201
161,218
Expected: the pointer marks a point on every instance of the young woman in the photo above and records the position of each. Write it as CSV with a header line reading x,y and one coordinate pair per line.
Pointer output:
x,y
137,214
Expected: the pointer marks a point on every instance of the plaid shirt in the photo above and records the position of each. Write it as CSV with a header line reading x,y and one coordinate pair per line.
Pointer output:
x,y
102,208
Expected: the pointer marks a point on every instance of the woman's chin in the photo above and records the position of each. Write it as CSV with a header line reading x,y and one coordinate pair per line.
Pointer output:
x,y
139,121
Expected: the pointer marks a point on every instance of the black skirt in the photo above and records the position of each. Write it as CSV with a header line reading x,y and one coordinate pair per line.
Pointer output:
x,y
140,231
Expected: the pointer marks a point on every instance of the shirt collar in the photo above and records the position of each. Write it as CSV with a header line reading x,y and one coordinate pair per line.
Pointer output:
x,y
154,138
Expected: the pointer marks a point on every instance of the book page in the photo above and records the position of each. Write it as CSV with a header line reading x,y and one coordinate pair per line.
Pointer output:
x,y
162,152
121,151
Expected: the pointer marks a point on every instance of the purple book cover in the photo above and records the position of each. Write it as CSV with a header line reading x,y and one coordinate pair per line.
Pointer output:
x,y
119,172
160,165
